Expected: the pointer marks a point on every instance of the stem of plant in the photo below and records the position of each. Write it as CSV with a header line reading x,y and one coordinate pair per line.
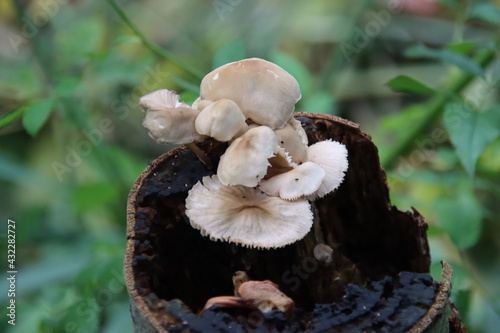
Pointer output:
x,y
200,154
436,105
152,46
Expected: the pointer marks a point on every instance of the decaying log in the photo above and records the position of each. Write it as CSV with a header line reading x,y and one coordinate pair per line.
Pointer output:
x,y
378,280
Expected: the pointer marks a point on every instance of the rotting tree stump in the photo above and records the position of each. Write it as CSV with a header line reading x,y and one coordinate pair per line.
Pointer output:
x,y
377,282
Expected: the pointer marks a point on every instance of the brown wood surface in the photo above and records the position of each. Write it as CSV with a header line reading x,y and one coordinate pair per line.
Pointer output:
x,y
170,268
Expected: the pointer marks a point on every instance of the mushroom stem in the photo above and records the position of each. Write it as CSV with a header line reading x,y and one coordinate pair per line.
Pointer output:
x,y
313,237
200,154
318,233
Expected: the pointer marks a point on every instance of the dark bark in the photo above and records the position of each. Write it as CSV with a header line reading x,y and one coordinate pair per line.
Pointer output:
x,y
378,280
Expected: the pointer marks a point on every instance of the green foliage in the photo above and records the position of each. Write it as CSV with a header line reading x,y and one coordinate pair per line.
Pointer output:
x,y
92,61
487,12
471,132
403,83
447,56
461,218
36,115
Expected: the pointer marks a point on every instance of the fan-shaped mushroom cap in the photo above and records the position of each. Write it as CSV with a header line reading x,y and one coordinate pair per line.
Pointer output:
x,y
167,119
221,120
332,157
292,141
301,181
265,92
245,161
245,215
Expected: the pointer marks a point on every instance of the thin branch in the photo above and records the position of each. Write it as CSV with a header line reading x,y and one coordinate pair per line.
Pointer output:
x,y
436,106
152,46
9,118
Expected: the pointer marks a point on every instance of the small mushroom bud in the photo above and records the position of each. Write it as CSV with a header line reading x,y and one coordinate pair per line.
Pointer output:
x,y
323,252
239,278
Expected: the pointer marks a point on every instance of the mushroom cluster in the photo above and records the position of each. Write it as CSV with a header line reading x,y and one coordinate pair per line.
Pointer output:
x,y
259,196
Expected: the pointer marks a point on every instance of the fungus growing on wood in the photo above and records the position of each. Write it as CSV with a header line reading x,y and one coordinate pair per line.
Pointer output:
x,y
222,120
251,102
291,140
332,157
245,162
245,215
298,182
265,92
167,119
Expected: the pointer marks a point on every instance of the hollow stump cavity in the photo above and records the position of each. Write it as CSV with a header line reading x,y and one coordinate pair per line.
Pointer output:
x,y
378,280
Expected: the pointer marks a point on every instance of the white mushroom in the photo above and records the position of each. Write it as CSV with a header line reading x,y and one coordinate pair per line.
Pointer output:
x,y
297,125
265,92
279,163
245,215
221,120
167,119
332,157
245,161
292,141
200,104
298,182
323,252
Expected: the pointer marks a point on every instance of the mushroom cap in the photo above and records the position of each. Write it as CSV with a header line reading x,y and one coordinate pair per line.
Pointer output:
x,y
245,161
292,142
221,120
265,92
279,163
298,182
161,100
323,252
167,119
332,157
245,215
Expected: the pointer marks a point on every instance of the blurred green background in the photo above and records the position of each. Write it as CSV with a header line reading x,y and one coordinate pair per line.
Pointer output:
x,y
421,77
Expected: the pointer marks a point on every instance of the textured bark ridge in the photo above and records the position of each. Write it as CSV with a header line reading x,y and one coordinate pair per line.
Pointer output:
x,y
377,282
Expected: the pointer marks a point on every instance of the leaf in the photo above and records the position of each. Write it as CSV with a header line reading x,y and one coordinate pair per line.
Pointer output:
x,y
10,117
403,83
295,68
94,195
447,56
471,132
230,52
486,12
463,48
67,86
461,219
36,115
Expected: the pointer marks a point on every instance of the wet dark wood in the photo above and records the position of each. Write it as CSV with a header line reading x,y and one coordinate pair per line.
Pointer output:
x,y
171,270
